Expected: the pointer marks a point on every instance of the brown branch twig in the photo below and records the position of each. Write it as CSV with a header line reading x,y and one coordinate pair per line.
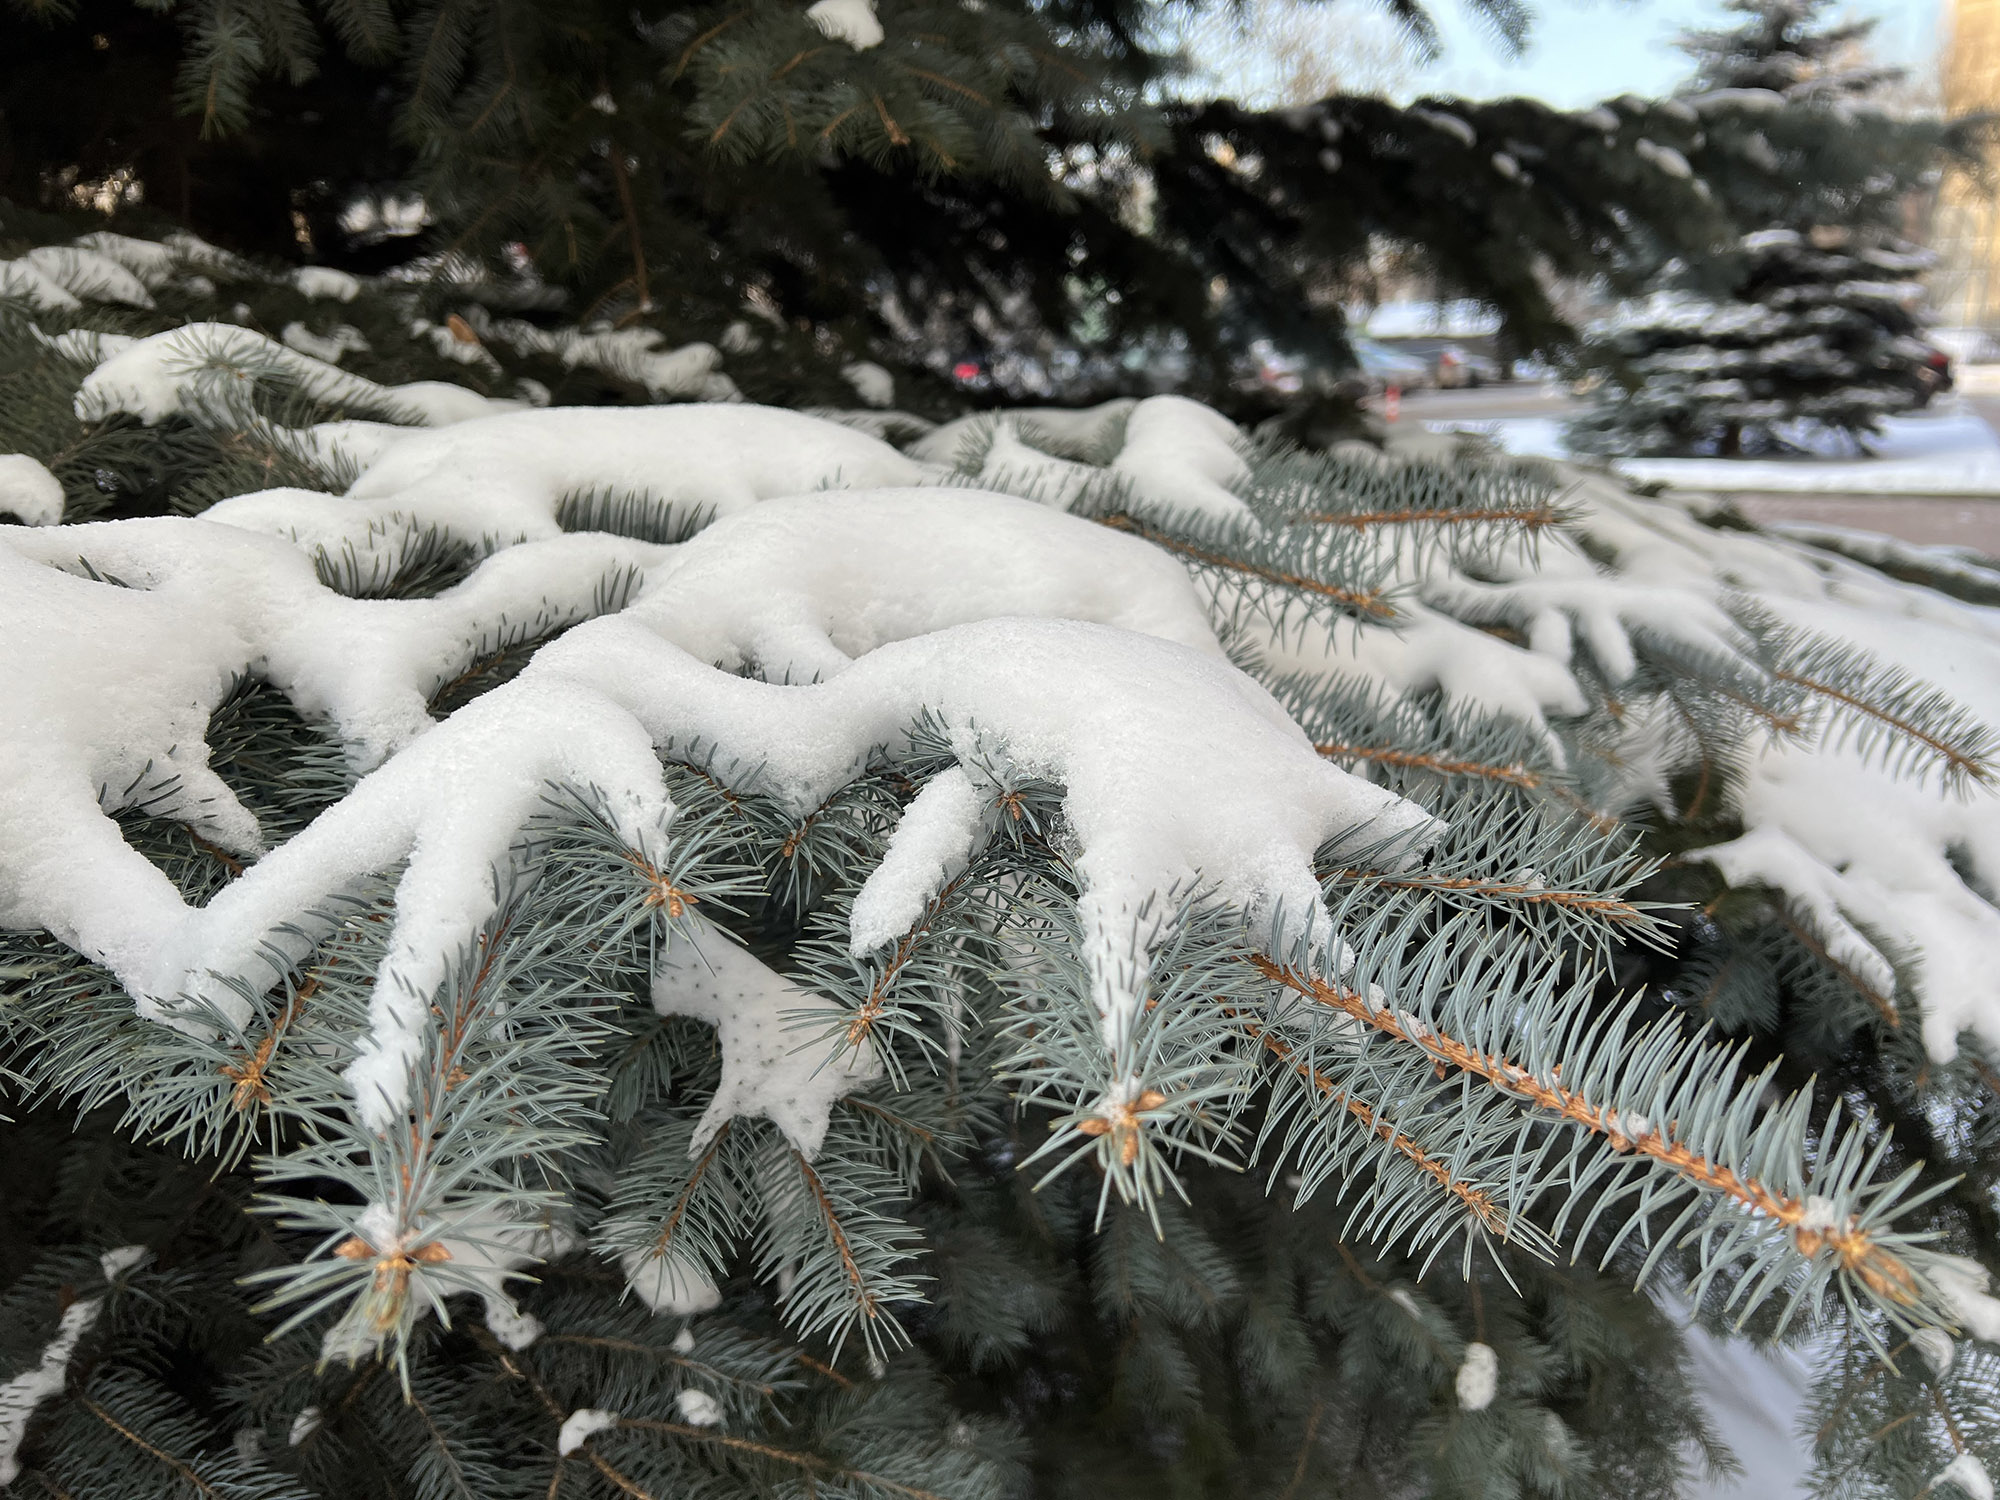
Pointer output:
x,y
1882,1271
1367,603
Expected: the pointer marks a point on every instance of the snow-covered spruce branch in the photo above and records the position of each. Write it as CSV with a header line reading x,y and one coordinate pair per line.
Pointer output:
x,y
678,838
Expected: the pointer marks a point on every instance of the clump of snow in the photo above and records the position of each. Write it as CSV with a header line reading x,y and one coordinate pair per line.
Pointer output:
x,y
851,21
29,283
1961,1283
873,384
1968,1474
330,347
85,272
197,367
580,1426
773,1034
115,1263
29,491
1184,456
1666,158
667,1282
475,1258
698,1408
1452,125
46,1377
1936,1348
940,831
1478,1377
323,282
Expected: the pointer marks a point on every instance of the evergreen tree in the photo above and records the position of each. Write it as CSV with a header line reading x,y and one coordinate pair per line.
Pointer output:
x,y
997,187
1810,323
697,951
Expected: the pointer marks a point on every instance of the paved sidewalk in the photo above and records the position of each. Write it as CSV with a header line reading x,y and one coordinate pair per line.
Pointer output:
x,y
1928,520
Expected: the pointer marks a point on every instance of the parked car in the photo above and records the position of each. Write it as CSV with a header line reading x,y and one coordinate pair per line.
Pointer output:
x,y
1383,367
1458,367
1935,376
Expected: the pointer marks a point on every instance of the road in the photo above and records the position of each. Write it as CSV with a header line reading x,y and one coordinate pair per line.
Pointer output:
x,y
1927,519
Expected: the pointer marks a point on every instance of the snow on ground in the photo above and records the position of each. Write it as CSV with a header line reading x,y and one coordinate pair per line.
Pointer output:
x,y
1947,452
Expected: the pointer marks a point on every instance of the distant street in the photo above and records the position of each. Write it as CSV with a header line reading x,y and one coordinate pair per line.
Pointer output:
x,y
1926,520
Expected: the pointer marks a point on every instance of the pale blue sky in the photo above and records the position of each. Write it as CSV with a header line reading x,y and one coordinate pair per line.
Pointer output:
x,y
1582,51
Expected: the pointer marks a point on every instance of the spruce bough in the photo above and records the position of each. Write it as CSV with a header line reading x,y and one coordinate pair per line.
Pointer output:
x,y
692,950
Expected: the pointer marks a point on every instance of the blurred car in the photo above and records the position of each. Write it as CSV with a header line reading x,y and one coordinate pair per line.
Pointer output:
x,y
1383,367
1934,376
1459,368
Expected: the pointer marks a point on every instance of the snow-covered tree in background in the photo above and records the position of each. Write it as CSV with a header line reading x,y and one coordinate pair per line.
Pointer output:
x,y
1809,324
1820,333
701,950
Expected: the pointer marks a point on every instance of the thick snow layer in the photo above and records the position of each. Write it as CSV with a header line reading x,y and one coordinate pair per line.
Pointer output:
x,y
499,480
777,1038
196,367
634,354
1174,764
208,602
154,263
46,1377
1175,454
799,588
29,491
580,1426
1895,858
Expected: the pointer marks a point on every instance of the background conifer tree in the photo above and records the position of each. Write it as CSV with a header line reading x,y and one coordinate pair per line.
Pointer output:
x,y
1810,323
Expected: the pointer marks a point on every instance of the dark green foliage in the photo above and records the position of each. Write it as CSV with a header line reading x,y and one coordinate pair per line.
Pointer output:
x,y
1008,187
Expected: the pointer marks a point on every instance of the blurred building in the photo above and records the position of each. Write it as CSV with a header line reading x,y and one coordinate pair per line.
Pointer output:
x,y
1965,231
